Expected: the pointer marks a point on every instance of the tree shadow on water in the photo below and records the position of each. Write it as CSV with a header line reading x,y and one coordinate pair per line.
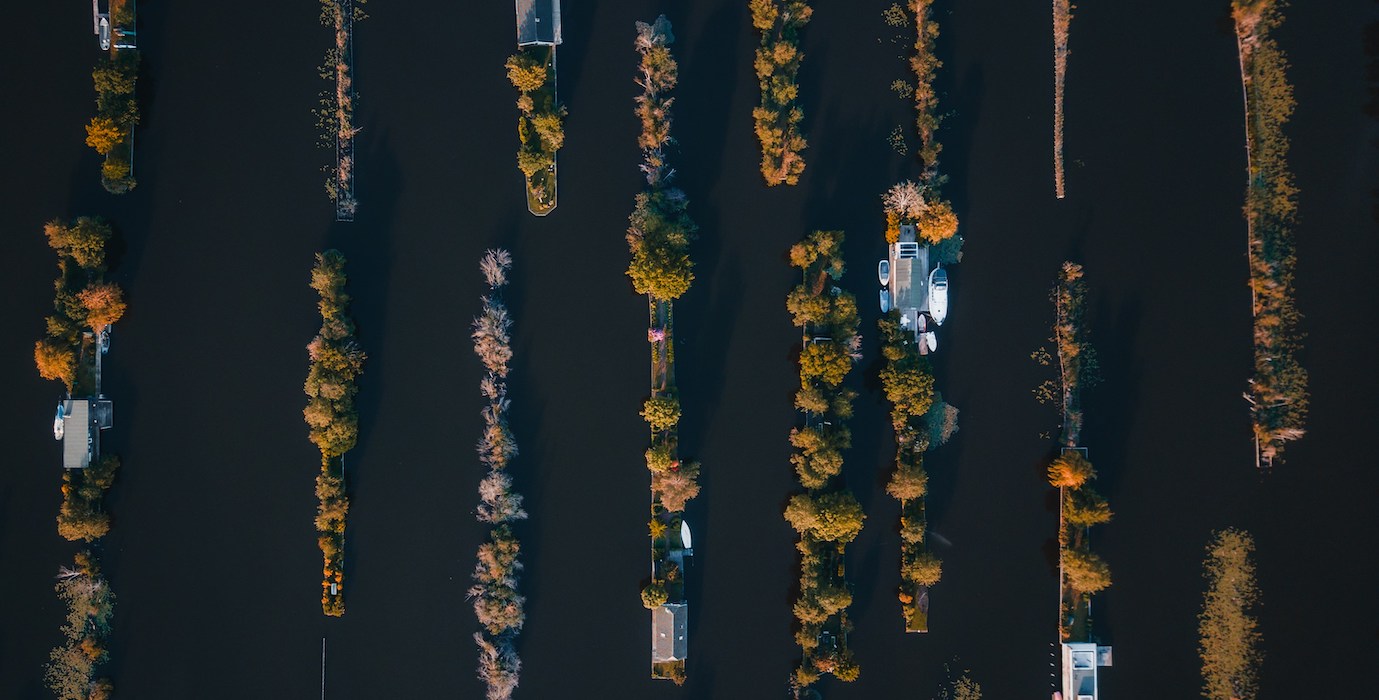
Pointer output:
x,y
367,243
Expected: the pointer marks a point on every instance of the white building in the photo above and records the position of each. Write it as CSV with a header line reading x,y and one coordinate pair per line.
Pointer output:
x,y
1080,663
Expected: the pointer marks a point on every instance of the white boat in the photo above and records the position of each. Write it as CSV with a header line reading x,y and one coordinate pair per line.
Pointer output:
x,y
883,272
931,341
885,301
685,535
57,423
104,33
938,295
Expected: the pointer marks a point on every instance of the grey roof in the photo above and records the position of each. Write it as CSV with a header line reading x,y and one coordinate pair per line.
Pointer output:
x,y
538,22
910,277
669,625
79,434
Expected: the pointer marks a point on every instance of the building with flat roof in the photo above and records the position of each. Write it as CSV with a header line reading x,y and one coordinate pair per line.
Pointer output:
x,y
82,422
538,22
1080,663
669,632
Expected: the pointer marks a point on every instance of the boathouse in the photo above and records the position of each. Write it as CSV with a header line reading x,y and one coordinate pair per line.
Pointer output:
x,y
669,625
538,22
79,426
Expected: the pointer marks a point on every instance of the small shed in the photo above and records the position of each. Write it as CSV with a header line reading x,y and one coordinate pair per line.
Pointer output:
x,y
669,632
538,22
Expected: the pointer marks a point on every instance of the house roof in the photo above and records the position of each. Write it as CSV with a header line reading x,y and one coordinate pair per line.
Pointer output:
x,y
669,625
538,22
78,434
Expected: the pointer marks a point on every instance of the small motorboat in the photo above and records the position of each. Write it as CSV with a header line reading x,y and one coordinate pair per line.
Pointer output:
x,y
105,340
883,272
685,535
104,33
885,301
931,341
938,295
58,423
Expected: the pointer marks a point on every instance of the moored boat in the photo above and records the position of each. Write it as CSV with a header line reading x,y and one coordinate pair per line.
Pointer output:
x,y
883,272
938,295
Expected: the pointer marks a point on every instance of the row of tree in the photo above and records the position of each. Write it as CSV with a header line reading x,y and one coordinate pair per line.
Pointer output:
x,y
335,117
497,603
1228,631
540,128
1077,359
1062,17
920,420
1277,391
920,203
658,238
336,362
110,132
71,672
85,306
777,64
826,516
1081,572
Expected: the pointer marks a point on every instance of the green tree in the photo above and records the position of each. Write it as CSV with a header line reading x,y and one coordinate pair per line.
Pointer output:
x,y
103,134
653,596
1229,634
661,412
548,126
531,161
1070,470
526,73
1085,571
831,517
116,76
908,482
1085,507
84,241
909,388
55,360
924,569
826,361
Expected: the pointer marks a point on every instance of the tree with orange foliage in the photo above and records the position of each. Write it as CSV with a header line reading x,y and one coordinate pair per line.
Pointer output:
x,y
55,360
104,303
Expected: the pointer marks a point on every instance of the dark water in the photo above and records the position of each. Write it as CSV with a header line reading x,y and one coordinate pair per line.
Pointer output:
x,y
213,555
